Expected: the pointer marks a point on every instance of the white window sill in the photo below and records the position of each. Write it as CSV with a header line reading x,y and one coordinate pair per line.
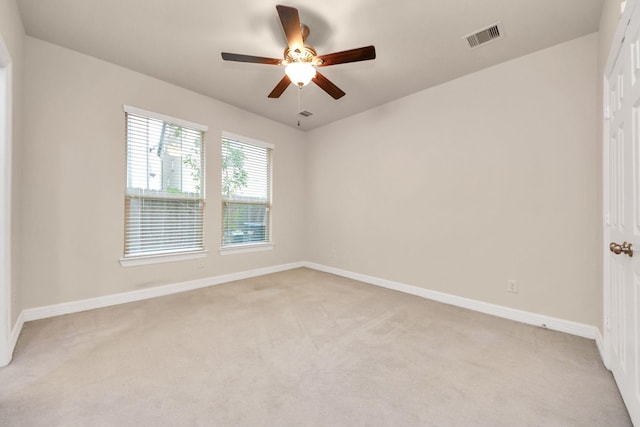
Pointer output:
x,y
240,249
157,259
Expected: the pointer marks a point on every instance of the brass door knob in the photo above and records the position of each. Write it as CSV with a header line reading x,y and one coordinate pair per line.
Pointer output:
x,y
624,248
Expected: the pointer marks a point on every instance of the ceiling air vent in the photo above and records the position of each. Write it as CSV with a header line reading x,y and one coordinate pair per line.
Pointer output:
x,y
306,113
485,36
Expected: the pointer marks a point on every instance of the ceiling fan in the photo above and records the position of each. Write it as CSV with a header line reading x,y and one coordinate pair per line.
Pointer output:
x,y
300,59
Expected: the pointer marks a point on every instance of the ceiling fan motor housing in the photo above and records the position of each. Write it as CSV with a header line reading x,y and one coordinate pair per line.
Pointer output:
x,y
306,54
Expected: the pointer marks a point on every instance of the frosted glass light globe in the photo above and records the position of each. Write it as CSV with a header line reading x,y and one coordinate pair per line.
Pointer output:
x,y
300,73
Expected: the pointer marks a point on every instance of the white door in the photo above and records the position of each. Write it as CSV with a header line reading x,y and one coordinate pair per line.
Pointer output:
x,y
622,215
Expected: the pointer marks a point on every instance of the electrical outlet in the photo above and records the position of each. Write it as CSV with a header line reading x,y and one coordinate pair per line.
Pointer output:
x,y
512,286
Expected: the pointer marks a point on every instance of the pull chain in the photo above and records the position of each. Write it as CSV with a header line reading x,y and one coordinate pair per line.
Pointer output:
x,y
299,104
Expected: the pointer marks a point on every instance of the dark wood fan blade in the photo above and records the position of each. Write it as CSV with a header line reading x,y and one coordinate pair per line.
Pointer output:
x,y
353,55
280,87
326,85
248,58
291,25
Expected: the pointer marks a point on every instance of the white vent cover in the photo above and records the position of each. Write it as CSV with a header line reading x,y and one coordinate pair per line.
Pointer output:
x,y
486,35
305,113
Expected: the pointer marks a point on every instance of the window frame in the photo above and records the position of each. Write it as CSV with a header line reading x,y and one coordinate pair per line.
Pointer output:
x,y
170,255
253,246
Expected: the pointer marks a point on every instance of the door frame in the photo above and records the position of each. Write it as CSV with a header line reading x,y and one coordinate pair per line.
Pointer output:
x,y
6,107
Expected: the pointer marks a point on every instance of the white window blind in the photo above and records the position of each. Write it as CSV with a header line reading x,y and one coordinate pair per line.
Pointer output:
x,y
246,192
164,205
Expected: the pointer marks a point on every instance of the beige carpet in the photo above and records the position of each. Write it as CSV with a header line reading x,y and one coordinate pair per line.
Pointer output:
x,y
302,348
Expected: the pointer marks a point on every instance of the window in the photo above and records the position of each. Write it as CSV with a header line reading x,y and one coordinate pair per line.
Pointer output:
x,y
164,204
246,192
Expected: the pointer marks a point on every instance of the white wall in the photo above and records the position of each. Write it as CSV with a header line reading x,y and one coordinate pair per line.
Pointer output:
x,y
13,35
459,188
74,169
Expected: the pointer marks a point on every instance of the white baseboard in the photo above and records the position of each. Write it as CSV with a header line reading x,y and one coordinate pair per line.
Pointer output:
x,y
142,294
574,328
567,326
13,340
15,332
604,355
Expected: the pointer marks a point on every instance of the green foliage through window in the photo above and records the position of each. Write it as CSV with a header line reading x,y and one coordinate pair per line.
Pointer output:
x,y
246,193
234,175
164,205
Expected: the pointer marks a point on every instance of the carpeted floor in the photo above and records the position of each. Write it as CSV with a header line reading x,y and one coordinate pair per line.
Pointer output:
x,y
302,348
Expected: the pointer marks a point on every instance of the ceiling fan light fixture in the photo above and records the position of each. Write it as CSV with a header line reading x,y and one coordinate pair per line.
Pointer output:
x,y
300,73
300,59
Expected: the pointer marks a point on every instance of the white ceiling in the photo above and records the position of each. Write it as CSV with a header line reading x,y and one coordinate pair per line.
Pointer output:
x,y
419,43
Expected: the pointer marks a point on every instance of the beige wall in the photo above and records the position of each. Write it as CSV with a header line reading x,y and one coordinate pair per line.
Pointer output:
x,y
457,188
463,186
12,34
75,175
609,19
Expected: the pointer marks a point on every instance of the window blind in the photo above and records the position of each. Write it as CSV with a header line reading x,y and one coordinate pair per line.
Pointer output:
x,y
164,206
246,192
